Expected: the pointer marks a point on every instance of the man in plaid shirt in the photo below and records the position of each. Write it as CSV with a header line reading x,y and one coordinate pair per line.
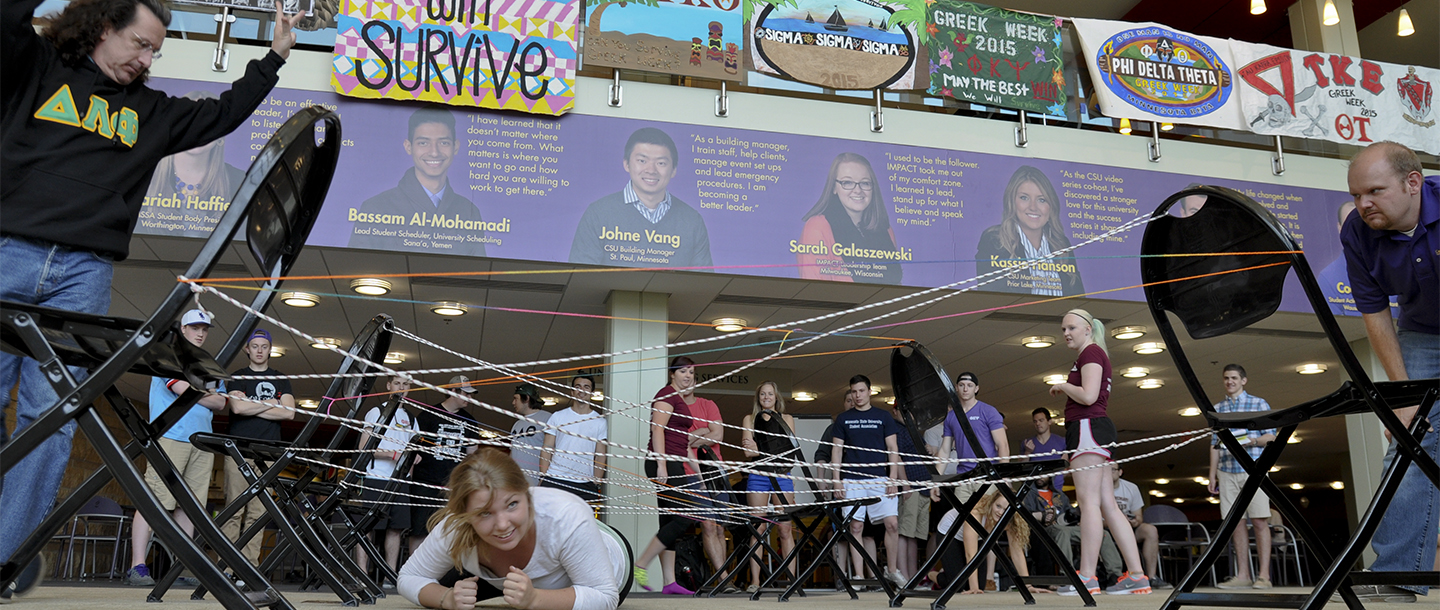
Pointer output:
x,y
1227,477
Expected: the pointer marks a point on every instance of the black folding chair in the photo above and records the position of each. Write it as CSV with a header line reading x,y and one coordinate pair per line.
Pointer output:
x,y
924,395
290,508
1218,299
277,203
754,529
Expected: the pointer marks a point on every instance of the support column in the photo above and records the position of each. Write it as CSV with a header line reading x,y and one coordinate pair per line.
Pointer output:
x,y
1309,32
1367,444
633,378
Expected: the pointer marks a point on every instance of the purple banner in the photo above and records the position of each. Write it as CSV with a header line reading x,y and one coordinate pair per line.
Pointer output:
x,y
729,200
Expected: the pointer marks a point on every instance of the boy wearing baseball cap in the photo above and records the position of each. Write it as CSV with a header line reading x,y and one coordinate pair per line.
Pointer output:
x,y
262,405
527,437
193,465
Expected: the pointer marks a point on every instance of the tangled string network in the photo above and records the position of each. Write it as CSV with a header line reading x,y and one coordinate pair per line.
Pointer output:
x,y
630,490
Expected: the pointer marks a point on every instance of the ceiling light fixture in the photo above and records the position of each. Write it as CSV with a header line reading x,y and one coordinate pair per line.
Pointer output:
x,y
597,395
1213,500
308,403
874,390
1331,16
550,401
729,325
1311,368
302,300
802,396
277,351
1274,469
370,286
1257,7
1152,347
1296,486
449,309
1190,412
1162,481
1055,379
1135,372
1203,481
1406,27
1294,440
394,358
1337,485
1150,384
1038,341
1125,127
1179,500
1167,126
890,401
1157,493
1126,333
322,342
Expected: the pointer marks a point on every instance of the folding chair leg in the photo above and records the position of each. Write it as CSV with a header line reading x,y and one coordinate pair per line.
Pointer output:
x,y
806,535
842,528
53,522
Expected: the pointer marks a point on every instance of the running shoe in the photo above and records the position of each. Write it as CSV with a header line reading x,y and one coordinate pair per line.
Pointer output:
x,y
674,588
26,581
139,576
642,578
1130,585
1262,583
894,576
1235,582
1092,584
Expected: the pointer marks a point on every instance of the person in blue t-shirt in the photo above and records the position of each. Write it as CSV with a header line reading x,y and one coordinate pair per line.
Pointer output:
x,y
866,452
194,465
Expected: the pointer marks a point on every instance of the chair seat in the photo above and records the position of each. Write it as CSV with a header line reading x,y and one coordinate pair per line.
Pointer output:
x,y
249,447
1347,400
88,341
1003,470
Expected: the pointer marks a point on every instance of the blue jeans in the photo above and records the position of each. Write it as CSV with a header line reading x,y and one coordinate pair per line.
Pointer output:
x,y
41,274
1405,540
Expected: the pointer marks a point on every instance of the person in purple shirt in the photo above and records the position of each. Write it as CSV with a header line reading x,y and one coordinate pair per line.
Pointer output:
x,y
1391,247
989,431
1048,446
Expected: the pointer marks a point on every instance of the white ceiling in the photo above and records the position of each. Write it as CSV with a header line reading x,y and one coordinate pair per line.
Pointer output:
x,y
989,347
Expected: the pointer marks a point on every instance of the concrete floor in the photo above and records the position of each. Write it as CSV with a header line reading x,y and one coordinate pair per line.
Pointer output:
x,y
104,596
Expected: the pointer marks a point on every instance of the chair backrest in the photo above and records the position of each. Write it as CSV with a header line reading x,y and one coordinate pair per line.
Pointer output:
x,y
1223,269
347,394
1162,513
101,505
924,394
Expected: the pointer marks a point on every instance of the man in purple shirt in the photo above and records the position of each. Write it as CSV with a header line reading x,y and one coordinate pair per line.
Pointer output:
x,y
1391,247
1048,446
989,430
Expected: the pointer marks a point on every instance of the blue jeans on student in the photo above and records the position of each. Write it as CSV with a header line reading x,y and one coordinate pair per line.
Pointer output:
x,y
1405,540
39,273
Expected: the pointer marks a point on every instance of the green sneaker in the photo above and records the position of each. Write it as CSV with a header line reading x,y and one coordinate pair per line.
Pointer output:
x,y
642,578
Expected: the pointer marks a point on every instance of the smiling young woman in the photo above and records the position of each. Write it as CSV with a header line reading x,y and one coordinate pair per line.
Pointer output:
x,y
540,549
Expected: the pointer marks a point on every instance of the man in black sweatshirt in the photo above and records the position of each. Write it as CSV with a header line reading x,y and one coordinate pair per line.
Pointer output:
x,y
80,135
643,225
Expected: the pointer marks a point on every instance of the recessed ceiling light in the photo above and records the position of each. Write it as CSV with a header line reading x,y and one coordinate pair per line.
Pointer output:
x,y
1179,500
322,342
300,299
550,401
1150,384
1213,500
875,390
1203,481
307,403
597,395
277,351
1157,493
1055,379
1296,486
802,396
1190,412
394,358
1337,485
1294,440
1150,347
1162,481
890,401
1274,469
1311,368
1135,372
1038,341
449,309
729,325
370,286
1126,333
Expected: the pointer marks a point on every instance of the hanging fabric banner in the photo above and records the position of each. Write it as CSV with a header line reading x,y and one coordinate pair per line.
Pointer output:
x,y
509,54
992,56
702,40
1149,72
1284,92
840,44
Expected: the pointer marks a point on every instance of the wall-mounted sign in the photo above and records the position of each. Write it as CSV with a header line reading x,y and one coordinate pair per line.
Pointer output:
x,y
996,57
840,44
700,39
511,54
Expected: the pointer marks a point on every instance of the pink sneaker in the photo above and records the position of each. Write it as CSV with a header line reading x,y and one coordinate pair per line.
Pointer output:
x,y
674,588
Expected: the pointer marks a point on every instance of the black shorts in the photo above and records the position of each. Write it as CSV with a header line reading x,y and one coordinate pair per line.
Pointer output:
x,y
588,491
1089,436
433,499
394,516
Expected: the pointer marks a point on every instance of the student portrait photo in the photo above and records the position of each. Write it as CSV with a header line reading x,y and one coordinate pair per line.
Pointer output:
x,y
1031,227
194,184
847,235
424,213
643,224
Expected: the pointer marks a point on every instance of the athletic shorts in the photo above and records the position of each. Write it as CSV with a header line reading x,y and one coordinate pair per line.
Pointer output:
x,y
871,488
1230,484
760,483
589,491
427,504
1089,436
397,514
194,465
915,515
